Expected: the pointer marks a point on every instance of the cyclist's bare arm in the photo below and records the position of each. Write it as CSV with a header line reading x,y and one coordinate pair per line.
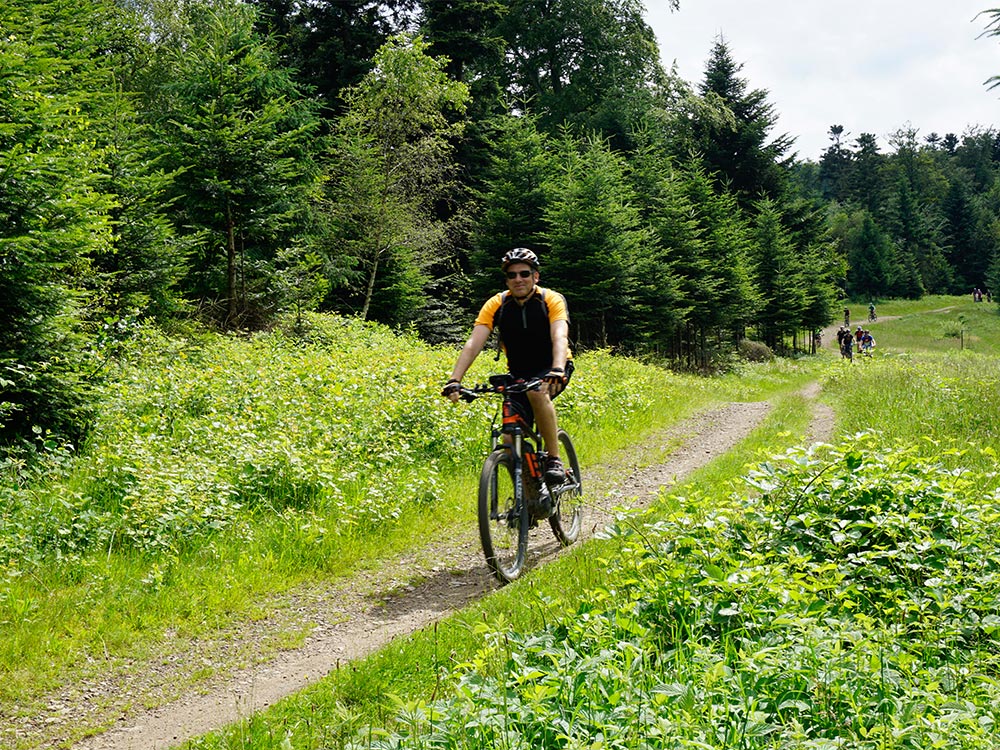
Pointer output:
x,y
477,340
560,343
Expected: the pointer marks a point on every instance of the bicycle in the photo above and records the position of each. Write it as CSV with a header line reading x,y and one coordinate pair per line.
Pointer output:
x,y
513,494
847,349
872,317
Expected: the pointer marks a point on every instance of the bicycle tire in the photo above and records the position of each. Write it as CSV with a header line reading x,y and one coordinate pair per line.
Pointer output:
x,y
568,517
503,526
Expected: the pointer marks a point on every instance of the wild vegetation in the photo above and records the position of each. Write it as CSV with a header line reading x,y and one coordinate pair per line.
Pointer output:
x,y
225,162
837,596
211,210
223,470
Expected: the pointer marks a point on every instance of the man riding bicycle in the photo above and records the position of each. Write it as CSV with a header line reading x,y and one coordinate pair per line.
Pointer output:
x,y
533,326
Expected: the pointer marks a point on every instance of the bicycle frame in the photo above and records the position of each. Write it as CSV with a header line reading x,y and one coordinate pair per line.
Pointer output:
x,y
516,428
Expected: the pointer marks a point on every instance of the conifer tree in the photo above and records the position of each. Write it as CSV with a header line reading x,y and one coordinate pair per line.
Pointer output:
x,y
780,277
743,156
52,218
510,203
716,275
242,137
595,237
871,257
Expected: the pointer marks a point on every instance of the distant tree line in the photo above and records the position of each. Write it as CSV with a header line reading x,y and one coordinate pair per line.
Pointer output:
x,y
229,161
921,219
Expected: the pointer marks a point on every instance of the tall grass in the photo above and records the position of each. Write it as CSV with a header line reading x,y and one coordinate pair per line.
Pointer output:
x,y
938,324
844,596
223,470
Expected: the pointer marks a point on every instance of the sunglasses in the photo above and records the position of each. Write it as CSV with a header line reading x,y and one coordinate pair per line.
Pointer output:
x,y
522,274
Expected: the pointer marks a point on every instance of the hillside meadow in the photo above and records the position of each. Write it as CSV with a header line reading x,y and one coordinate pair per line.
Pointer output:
x,y
786,596
223,470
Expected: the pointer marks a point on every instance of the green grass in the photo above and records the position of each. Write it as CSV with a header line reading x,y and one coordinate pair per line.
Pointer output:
x,y
106,550
421,667
225,471
844,598
938,324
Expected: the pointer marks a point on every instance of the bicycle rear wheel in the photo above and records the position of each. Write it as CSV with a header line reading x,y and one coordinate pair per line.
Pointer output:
x,y
567,519
503,522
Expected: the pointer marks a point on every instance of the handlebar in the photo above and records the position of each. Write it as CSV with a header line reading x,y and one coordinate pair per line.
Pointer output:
x,y
500,384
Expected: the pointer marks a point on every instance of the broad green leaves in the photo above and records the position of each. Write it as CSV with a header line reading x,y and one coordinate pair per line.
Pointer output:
x,y
392,161
850,603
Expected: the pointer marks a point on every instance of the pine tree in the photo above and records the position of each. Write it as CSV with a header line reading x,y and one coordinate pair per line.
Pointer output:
x,y
595,237
742,156
780,277
52,219
243,140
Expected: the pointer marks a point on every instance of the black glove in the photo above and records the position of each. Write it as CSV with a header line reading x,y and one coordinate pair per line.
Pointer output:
x,y
555,376
452,386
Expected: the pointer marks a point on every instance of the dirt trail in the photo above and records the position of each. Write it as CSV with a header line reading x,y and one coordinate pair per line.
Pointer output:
x,y
352,618
830,332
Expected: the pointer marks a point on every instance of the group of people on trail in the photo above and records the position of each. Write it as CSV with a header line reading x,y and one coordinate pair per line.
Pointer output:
x,y
871,315
977,295
861,341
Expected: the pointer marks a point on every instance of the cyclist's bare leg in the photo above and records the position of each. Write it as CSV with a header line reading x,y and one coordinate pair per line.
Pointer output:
x,y
545,420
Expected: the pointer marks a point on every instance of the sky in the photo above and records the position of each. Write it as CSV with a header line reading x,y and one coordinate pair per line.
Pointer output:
x,y
872,66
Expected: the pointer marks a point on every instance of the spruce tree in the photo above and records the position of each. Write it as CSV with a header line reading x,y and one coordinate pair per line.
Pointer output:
x,y
742,154
780,277
595,237
243,140
52,218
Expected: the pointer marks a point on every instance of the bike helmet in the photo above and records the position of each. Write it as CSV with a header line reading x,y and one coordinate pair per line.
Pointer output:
x,y
519,255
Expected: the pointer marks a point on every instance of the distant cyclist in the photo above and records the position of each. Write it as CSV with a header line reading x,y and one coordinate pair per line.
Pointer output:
x,y
867,343
846,342
872,317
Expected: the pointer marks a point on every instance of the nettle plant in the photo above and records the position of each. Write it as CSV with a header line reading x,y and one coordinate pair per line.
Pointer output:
x,y
847,600
340,430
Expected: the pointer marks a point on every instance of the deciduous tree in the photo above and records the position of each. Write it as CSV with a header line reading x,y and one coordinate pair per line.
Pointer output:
x,y
392,161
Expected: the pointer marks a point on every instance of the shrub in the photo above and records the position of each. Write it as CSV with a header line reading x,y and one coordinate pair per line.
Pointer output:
x,y
755,351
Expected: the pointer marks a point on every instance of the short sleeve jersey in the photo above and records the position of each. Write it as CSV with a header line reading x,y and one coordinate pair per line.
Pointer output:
x,y
525,330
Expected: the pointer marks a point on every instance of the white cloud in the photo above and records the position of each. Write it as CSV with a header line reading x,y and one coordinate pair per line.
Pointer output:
x,y
870,65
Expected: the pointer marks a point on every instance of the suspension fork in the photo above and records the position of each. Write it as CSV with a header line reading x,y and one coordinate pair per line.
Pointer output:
x,y
517,451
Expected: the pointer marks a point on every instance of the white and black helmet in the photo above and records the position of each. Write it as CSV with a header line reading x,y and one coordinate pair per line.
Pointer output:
x,y
519,255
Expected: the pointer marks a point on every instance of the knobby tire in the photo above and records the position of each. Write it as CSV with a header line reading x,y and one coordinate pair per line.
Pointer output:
x,y
567,519
503,527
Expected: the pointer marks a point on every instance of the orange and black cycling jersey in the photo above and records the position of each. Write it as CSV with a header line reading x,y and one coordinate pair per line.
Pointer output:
x,y
525,330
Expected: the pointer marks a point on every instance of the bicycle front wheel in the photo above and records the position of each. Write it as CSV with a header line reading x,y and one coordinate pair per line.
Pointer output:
x,y
567,519
503,521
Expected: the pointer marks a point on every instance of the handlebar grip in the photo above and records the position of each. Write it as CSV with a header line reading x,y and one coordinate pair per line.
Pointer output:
x,y
468,395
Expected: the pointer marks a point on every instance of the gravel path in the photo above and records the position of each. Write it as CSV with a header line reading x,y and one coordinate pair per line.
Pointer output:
x,y
351,618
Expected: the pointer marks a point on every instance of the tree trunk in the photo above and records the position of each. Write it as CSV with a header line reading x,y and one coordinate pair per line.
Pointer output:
x,y
231,294
370,289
